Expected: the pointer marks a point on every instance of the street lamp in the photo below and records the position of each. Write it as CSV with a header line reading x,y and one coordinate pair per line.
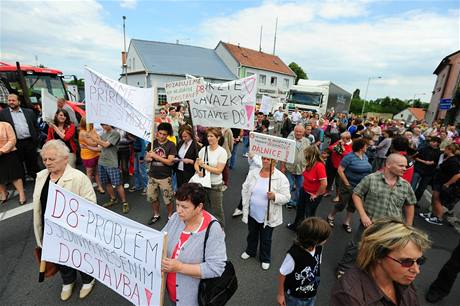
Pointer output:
x,y
418,94
367,88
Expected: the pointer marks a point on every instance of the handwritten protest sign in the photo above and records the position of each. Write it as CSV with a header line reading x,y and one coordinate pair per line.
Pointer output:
x,y
228,104
49,106
120,253
123,106
185,90
266,104
272,147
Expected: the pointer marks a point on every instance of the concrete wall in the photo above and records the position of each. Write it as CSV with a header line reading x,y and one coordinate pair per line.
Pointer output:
x,y
445,86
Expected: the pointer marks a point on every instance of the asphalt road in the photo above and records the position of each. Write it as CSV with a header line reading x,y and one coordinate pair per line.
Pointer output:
x,y
19,286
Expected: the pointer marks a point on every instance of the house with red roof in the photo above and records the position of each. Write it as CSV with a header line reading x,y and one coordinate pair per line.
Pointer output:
x,y
410,114
273,75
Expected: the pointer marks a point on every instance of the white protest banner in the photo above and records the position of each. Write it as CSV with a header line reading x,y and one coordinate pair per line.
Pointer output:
x,y
228,105
120,253
266,105
272,147
49,106
126,107
185,90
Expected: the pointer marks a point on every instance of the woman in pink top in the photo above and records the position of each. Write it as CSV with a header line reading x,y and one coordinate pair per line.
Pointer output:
x,y
11,168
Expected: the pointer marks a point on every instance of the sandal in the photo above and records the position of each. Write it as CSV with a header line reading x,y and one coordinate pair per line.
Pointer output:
x,y
153,220
330,221
347,228
335,200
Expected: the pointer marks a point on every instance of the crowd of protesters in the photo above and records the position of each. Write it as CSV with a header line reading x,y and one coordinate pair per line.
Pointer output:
x,y
377,168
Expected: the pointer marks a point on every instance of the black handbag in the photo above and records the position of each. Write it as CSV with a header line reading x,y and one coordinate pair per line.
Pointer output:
x,y
218,290
450,196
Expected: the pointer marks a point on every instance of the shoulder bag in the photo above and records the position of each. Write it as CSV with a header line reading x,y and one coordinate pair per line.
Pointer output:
x,y
204,180
218,290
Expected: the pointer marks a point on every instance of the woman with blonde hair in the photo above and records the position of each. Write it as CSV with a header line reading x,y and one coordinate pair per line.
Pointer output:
x,y
89,153
389,259
313,186
211,161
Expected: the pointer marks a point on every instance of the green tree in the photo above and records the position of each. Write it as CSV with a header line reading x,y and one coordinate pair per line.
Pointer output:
x,y
301,74
356,94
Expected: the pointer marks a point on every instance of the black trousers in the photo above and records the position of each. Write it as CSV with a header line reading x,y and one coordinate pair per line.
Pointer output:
x,y
69,275
306,207
259,234
27,152
446,277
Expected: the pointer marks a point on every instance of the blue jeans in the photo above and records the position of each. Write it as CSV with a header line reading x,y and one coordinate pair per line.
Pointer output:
x,y
245,144
297,180
234,153
293,301
258,234
140,172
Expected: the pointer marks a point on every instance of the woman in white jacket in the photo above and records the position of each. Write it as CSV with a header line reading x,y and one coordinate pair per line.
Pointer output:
x,y
261,221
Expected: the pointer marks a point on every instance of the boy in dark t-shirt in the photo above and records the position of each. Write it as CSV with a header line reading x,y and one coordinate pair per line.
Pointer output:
x,y
160,173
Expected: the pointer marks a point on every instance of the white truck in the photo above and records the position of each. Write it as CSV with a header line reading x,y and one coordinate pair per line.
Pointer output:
x,y
318,97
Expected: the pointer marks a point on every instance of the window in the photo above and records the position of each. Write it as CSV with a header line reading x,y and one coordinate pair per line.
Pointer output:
x,y
249,73
162,99
286,83
262,79
273,81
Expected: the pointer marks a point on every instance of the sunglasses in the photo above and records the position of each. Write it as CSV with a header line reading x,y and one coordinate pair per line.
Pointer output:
x,y
409,262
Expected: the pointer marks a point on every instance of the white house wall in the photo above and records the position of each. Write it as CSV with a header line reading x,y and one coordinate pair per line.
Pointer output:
x,y
133,61
279,91
227,58
405,115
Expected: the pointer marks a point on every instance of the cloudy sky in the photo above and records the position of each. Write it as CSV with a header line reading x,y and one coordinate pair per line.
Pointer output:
x,y
343,41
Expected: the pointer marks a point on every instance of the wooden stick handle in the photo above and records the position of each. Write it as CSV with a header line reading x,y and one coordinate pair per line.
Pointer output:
x,y
163,278
41,275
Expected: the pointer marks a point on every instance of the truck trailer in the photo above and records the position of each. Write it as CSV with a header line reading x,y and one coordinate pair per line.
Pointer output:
x,y
318,97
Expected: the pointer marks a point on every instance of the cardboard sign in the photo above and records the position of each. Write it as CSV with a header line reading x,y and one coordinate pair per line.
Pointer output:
x,y
122,254
49,106
266,105
229,105
126,107
185,90
272,147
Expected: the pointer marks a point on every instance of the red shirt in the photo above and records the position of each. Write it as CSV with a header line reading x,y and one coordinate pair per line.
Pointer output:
x,y
336,158
312,177
69,132
171,277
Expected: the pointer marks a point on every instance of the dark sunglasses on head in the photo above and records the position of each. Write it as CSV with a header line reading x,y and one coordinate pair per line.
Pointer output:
x,y
409,262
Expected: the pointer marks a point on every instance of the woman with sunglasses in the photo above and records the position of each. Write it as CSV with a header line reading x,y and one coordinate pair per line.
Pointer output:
x,y
389,260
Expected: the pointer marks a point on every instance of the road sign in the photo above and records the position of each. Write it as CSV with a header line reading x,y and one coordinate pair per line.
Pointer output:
x,y
445,104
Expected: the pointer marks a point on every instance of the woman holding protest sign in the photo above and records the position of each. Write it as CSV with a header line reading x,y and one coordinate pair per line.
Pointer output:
x,y
264,192
211,161
186,230
55,155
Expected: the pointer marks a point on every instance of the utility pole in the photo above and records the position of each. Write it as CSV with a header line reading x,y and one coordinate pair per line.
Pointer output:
x,y
274,40
125,65
260,39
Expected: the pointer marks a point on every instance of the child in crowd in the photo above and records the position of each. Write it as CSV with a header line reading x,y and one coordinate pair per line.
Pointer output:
x,y
300,270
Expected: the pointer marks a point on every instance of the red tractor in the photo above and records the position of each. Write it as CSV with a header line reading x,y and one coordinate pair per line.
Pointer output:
x,y
28,81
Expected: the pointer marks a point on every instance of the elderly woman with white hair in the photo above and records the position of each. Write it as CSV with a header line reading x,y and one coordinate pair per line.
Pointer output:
x,y
55,155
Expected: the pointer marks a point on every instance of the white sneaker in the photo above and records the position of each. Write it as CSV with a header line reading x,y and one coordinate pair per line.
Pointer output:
x,y
126,186
425,215
265,266
86,289
94,184
245,256
237,212
66,291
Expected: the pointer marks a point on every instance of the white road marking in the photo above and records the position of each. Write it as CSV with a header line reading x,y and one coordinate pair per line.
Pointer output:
x,y
15,211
